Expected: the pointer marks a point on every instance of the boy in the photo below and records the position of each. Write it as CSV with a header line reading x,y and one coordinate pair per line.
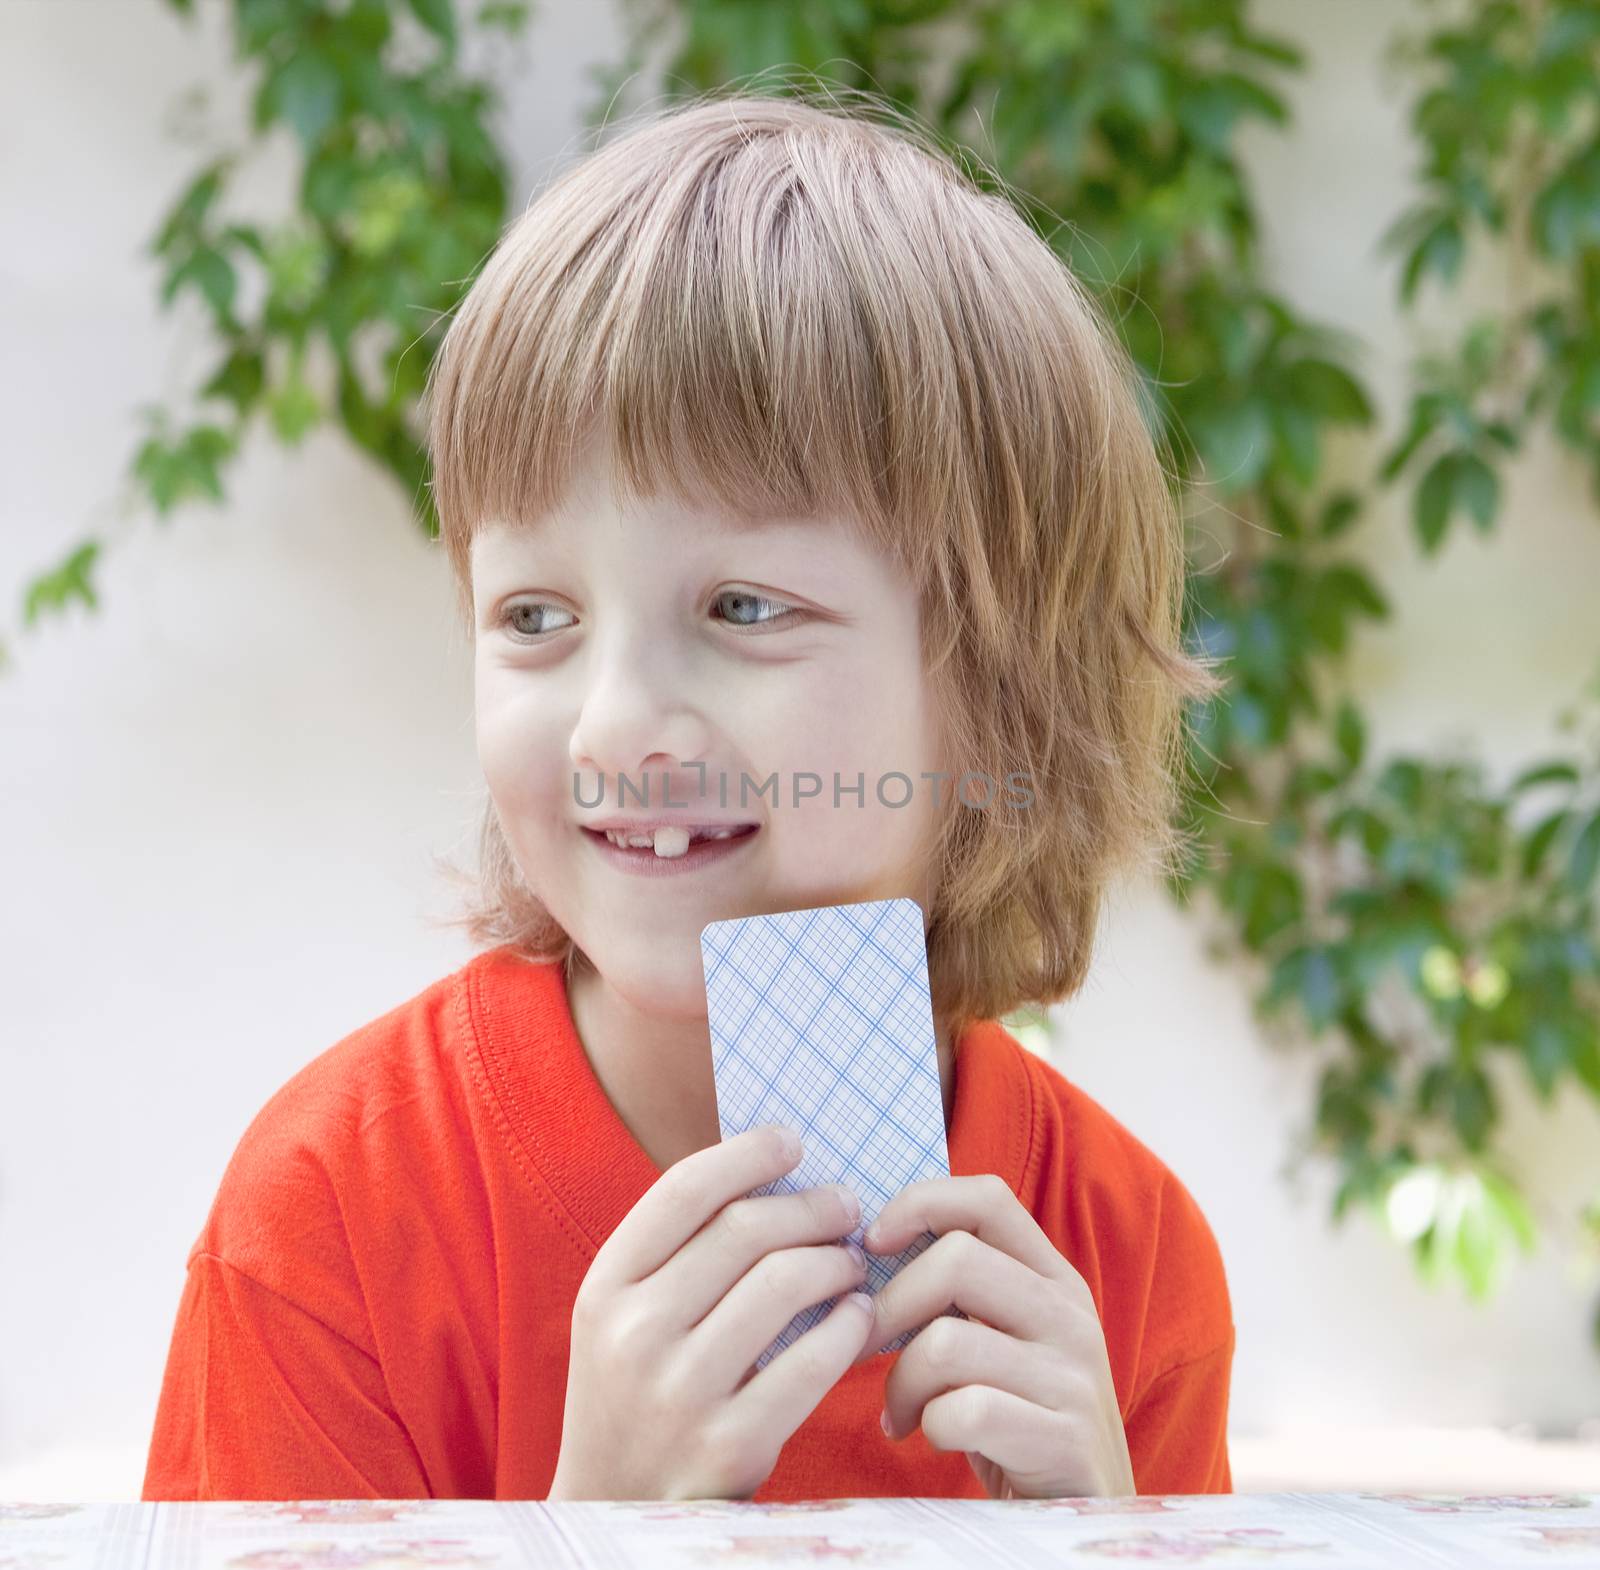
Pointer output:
x,y
823,466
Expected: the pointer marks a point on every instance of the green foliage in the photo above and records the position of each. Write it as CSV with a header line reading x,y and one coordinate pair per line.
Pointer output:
x,y
333,314
1425,932
70,581
1511,157
1413,923
174,469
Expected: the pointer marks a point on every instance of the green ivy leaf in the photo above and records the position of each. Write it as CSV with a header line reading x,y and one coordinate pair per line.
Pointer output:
x,y
1547,1053
1208,109
237,380
1537,845
1297,433
1425,412
1236,439
1585,856
1320,993
439,17
298,262
1439,251
1501,434
305,91
294,410
1586,1060
1278,50
54,591
174,472
1331,390
1350,735
189,212
211,273
1472,1106
1335,598
1433,501
1340,512
1543,774
1272,905
1563,216
382,210
511,16
1476,487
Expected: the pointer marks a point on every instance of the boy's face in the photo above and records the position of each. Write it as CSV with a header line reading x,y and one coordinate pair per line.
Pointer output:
x,y
643,642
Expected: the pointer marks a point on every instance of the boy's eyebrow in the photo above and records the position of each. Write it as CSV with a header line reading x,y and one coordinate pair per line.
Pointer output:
x,y
726,523
755,522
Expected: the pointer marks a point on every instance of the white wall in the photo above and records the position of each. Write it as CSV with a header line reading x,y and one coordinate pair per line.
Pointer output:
x,y
224,790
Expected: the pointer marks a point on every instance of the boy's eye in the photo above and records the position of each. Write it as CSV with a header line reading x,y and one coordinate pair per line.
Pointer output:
x,y
534,607
748,610
742,597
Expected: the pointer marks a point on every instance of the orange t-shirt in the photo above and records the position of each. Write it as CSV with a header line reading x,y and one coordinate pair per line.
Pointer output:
x,y
380,1301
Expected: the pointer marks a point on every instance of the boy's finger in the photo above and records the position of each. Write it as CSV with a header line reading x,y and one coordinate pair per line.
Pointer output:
x,y
783,1394
710,1265
686,1196
982,1204
959,1271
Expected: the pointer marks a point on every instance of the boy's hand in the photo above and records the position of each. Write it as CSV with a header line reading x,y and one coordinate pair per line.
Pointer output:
x,y
1024,1387
664,1400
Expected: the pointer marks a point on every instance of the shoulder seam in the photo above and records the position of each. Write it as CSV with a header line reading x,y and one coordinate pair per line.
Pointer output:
x,y
255,1281
1030,1137
1223,1345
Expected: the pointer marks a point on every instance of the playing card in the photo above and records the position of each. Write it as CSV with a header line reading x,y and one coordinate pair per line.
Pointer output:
x,y
822,1020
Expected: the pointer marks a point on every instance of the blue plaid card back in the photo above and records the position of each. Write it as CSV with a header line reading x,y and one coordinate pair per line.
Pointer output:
x,y
822,1020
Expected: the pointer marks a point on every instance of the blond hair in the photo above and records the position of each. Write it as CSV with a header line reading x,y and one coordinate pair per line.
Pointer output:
x,y
791,307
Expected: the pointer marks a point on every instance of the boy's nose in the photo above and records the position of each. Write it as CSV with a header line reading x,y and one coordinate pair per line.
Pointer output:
x,y
637,726
656,781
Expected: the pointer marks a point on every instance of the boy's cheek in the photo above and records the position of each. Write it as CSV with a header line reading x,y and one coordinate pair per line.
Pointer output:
x,y
524,776
511,716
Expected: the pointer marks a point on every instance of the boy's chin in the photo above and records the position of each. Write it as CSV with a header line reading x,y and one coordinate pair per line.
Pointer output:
x,y
663,977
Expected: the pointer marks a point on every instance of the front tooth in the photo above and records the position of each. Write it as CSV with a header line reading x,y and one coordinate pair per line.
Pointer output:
x,y
672,841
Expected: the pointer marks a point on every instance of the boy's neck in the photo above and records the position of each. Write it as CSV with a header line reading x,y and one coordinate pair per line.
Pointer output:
x,y
657,1073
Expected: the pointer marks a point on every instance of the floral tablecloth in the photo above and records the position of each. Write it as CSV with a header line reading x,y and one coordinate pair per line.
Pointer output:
x,y
1381,1531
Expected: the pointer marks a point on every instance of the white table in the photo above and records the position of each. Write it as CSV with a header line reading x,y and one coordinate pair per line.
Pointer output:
x,y
1286,1531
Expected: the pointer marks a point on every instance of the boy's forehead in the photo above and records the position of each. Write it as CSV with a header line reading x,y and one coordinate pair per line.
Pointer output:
x,y
506,537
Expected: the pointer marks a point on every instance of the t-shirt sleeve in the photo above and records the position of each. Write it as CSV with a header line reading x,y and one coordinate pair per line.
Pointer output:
x,y
1177,1430
262,1400
1177,1425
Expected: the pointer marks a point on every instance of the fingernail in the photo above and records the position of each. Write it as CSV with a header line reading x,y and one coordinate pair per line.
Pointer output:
x,y
883,1420
872,1236
857,1255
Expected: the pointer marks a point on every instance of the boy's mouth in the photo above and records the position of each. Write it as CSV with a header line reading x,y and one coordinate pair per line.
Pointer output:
x,y
671,841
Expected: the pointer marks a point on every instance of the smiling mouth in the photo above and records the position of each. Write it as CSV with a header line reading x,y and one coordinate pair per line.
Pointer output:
x,y
672,842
